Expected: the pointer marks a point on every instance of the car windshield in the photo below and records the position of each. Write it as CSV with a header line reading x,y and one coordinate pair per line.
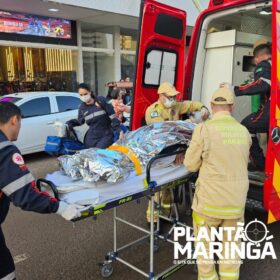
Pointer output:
x,y
9,99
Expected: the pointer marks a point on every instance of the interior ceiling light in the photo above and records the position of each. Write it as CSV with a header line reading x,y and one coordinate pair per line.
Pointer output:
x,y
266,11
53,10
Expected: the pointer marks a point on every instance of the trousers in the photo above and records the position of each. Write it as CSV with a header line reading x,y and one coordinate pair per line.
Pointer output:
x,y
7,267
100,143
165,203
257,123
228,268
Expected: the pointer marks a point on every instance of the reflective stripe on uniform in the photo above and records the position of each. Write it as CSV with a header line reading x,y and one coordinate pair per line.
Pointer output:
x,y
197,219
211,276
230,275
18,184
91,116
113,116
165,205
52,144
266,80
10,276
5,144
223,210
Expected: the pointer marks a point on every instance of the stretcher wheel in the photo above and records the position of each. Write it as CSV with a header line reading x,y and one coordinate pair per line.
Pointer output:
x,y
107,270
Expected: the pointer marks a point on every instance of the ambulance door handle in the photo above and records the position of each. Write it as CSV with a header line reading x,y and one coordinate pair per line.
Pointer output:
x,y
50,123
275,135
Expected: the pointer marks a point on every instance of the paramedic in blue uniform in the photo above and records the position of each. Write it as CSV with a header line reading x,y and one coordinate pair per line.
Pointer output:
x,y
99,115
17,185
258,122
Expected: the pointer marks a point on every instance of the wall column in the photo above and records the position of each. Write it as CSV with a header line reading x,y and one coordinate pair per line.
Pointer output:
x,y
117,54
80,53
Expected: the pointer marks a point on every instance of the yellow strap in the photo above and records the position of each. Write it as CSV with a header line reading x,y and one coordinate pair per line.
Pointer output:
x,y
131,155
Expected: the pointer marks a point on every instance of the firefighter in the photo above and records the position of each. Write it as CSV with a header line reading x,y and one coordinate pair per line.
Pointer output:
x,y
219,150
17,184
100,116
168,109
258,122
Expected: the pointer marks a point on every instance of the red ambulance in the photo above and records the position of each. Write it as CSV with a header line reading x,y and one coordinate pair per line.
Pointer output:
x,y
220,50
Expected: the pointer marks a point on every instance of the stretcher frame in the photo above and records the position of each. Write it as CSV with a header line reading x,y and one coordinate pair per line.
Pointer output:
x,y
153,234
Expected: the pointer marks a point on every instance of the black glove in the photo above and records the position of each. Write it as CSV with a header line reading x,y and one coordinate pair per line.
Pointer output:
x,y
72,123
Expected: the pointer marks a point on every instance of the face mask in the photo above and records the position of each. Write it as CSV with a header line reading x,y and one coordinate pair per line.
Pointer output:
x,y
169,103
85,98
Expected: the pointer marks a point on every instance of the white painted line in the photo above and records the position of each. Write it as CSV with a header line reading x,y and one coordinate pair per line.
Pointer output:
x,y
20,258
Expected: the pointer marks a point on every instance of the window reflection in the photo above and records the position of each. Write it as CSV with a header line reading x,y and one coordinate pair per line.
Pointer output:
x,y
25,69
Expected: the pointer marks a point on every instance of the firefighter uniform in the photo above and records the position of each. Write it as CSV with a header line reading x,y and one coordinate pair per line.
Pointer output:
x,y
219,149
101,120
157,112
258,122
17,185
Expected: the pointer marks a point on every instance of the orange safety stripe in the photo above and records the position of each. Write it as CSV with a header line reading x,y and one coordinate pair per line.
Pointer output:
x,y
260,113
278,116
130,154
274,201
250,85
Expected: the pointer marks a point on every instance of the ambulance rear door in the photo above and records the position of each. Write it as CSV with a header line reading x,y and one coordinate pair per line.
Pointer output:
x,y
160,55
272,181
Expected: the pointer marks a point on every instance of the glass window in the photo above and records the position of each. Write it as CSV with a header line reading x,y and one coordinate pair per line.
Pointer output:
x,y
67,103
98,71
96,39
35,69
169,26
128,66
160,66
128,39
36,107
128,43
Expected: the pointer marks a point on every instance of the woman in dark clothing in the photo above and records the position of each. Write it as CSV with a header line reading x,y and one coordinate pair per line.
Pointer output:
x,y
99,116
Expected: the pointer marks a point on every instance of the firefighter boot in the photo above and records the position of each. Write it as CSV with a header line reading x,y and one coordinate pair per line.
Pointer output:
x,y
166,202
148,212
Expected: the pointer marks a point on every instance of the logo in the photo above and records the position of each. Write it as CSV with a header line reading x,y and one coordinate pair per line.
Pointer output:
x,y
154,114
252,242
18,159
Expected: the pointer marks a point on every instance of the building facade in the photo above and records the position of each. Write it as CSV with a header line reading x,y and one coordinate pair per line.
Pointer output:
x,y
53,45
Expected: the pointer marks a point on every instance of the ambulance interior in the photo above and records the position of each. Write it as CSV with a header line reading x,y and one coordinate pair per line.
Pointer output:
x,y
225,51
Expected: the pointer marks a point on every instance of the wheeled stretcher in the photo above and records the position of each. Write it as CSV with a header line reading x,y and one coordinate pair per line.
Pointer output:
x,y
132,189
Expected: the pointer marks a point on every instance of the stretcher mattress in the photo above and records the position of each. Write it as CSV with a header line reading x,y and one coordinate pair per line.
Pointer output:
x,y
95,194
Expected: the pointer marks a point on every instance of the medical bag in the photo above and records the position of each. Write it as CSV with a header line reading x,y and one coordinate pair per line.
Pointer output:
x,y
56,145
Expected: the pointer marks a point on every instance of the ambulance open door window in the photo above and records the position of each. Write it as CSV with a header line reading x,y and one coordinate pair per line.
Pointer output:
x,y
160,66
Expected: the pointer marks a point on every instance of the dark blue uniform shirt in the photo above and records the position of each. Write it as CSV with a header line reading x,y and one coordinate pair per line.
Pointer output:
x,y
101,120
260,85
18,185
